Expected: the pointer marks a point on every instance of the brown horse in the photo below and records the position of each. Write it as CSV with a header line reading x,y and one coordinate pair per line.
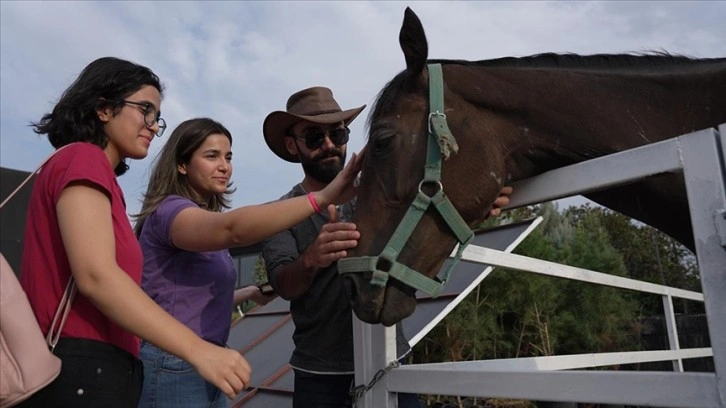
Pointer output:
x,y
514,118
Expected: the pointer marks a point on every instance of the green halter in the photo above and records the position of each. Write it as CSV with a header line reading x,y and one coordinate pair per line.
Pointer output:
x,y
440,140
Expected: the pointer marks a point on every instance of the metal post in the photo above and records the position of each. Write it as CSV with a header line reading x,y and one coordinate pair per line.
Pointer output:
x,y
670,321
374,347
704,174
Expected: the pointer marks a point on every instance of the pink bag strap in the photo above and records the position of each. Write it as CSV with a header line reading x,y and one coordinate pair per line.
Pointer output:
x,y
64,307
62,312
30,176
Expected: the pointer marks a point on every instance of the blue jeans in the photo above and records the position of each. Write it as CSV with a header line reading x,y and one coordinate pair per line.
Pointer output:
x,y
170,382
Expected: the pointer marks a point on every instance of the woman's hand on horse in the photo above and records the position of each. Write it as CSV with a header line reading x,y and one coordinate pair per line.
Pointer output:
x,y
501,201
343,188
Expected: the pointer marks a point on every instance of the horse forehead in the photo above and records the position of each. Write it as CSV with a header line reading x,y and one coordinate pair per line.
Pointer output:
x,y
411,104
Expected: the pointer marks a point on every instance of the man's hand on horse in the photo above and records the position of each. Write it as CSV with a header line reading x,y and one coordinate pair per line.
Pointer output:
x,y
333,241
501,201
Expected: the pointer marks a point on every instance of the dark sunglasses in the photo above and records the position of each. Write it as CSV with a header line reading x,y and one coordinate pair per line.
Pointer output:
x,y
315,137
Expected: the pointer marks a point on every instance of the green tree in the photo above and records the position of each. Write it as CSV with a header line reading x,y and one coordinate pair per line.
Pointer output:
x,y
650,256
593,317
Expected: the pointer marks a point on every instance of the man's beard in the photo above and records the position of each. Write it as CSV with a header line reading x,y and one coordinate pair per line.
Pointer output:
x,y
323,172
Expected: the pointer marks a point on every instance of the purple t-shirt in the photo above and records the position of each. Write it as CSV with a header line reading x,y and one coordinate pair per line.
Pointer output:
x,y
194,287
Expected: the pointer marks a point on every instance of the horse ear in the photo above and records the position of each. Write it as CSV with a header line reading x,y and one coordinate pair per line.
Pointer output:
x,y
413,43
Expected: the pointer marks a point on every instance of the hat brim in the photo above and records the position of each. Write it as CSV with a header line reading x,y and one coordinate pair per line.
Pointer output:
x,y
277,124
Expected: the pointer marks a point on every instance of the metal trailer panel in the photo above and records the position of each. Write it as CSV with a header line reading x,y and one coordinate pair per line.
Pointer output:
x,y
598,174
669,315
656,389
523,263
705,184
573,361
464,292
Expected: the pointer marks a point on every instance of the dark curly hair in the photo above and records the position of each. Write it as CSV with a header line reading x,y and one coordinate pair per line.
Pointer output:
x,y
104,83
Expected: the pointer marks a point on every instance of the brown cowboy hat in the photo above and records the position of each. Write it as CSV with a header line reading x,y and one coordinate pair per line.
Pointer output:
x,y
315,105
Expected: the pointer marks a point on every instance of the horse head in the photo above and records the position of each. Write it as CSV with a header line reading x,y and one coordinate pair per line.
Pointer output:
x,y
393,177
440,151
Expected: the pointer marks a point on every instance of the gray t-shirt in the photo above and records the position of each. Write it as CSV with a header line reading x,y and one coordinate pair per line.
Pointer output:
x,y
322,315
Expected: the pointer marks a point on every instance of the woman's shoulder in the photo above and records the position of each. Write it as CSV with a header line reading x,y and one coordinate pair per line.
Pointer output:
x,y
76,162
159,221
82,150
174,200
172,204
81,155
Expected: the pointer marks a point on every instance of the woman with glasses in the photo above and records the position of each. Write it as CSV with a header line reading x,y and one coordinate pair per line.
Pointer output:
x,y
185,234
77,229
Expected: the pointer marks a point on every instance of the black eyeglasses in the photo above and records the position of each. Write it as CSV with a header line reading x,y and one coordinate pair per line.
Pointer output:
x,y
314,137
151,116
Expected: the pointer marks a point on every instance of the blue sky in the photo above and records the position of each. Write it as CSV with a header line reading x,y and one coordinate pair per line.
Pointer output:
x,y
238,61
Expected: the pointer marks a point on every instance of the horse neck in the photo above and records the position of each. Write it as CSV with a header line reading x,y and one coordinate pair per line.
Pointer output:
x,y
549,117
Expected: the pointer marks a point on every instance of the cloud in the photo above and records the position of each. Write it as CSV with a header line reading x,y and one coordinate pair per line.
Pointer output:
x,y
238,61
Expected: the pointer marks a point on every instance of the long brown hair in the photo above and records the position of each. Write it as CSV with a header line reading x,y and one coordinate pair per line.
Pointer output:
x,y
165,178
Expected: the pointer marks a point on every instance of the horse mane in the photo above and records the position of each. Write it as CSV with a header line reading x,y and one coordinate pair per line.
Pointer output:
x,y
653,61
649,60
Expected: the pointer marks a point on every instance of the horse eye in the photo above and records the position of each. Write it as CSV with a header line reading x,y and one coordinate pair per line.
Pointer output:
x,y
381,144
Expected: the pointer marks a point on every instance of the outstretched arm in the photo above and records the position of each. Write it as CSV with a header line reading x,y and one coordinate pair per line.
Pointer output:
x,y
195,229
84,219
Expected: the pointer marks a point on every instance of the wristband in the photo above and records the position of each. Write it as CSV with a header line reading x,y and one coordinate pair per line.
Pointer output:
x,y
311,198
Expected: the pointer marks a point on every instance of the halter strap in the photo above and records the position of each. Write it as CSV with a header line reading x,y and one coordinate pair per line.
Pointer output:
x,y
440,141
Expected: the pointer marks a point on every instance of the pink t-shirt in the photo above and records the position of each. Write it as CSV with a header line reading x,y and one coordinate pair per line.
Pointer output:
x,y
45,268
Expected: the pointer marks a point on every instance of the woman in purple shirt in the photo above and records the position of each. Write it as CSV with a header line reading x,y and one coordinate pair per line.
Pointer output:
x,y
185,236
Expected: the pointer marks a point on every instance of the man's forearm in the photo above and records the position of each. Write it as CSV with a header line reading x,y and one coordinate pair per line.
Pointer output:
x,y
294,279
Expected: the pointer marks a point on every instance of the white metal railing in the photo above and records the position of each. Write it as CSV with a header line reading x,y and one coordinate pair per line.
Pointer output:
x,y
493,257
699,156
451,305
